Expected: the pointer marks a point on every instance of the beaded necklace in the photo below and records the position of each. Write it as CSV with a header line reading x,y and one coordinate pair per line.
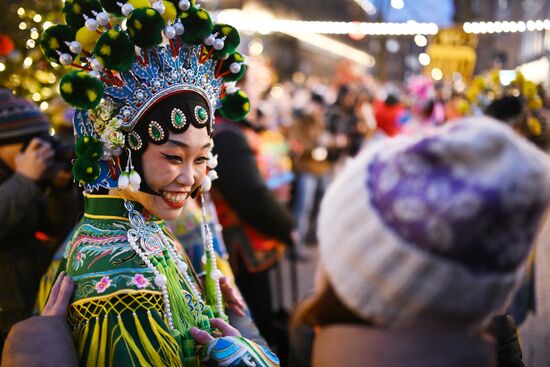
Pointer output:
x,y
148,241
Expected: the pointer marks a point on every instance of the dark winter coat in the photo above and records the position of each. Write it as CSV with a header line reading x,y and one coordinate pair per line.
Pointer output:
x,y
22,258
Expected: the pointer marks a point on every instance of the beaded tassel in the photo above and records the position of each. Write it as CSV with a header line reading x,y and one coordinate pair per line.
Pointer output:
x,y
212,271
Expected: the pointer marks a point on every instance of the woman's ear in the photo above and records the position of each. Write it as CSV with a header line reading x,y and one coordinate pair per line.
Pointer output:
x,y
320,280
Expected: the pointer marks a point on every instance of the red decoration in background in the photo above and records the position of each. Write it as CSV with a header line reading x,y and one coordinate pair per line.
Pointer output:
x,y
6,45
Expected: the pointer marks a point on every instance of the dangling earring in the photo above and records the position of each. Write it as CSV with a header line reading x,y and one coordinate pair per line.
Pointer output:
x,y
212,175
129,178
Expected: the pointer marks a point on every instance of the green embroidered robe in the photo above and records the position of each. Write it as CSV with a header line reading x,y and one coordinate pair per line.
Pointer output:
x,y
117,312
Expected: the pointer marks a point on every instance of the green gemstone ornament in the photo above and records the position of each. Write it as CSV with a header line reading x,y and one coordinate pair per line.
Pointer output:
x,y
156,133
134,141
178,119
201,115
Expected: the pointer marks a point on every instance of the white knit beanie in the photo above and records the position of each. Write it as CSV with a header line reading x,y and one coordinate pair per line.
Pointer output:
x,y
435,227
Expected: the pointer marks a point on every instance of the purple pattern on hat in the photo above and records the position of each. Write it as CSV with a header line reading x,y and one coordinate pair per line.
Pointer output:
x,y
435,203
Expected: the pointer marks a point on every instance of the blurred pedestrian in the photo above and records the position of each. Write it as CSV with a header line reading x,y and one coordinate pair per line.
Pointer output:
x,y
341,121
25,162
256,226
388,113
306,136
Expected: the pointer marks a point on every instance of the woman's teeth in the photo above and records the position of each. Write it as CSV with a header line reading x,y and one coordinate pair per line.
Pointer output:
x,y
173,197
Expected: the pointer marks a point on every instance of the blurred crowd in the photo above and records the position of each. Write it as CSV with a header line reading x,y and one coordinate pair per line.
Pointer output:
x,y
322,125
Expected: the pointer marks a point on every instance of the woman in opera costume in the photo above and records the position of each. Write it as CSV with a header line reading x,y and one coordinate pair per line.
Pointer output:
x,y
147,80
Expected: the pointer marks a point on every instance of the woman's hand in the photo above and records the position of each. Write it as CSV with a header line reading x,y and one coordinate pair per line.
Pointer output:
x,y
204,338
60,296
231,297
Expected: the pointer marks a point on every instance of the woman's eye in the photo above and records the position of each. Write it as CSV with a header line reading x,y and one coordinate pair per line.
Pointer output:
x,y
173,158
201,160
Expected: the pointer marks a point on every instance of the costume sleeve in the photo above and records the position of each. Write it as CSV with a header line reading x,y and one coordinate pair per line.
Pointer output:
x,y
19,196
236,351
244,189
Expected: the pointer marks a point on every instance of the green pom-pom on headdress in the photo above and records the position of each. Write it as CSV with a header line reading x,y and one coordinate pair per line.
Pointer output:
x,y
54,39
231,40
231,69
177,5
115,51
198,25
86,170
111,6
74,11
235,106
81,90
88,147
145,27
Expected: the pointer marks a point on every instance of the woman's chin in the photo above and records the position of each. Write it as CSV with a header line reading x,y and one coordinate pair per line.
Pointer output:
x,y
171,215
166,210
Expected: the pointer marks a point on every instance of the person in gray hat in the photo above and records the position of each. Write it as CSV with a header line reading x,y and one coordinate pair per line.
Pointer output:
x,y
25,160
422,240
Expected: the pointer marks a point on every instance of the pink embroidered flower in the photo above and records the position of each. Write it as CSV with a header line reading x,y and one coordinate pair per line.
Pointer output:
x,y
103,284
140,281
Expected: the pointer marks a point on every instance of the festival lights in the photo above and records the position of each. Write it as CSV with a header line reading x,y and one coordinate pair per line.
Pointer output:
x,y
27,62
420,40
506,26
397,4
336,47
437,74
266,24
424,59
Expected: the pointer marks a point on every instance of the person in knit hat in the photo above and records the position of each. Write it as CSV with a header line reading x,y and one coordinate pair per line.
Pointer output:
x,y
22,206
422,240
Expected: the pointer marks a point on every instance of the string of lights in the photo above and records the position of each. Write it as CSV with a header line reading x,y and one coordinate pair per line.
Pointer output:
x,y
506,26
265,25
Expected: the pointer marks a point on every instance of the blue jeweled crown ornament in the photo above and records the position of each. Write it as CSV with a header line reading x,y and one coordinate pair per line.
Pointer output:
x,y
128,56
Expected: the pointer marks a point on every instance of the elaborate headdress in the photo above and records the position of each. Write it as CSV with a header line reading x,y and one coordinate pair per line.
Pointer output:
x,y
517,103
129,56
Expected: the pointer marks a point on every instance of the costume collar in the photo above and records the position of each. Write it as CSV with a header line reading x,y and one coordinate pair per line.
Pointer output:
x,y
111,207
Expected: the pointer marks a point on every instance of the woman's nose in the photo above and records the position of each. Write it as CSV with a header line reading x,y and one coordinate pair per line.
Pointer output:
x,y
185,176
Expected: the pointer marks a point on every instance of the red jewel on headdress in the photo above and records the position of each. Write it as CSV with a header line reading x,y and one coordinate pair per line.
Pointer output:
x,y
114,164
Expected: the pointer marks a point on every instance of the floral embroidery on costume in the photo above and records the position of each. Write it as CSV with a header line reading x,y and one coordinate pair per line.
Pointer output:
x,y
103,284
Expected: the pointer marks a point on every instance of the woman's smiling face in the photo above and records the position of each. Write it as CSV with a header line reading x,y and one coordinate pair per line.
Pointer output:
x,y
173,169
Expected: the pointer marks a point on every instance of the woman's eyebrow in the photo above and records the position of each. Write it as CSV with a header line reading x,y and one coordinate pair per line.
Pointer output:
x,y
178,143
183,145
